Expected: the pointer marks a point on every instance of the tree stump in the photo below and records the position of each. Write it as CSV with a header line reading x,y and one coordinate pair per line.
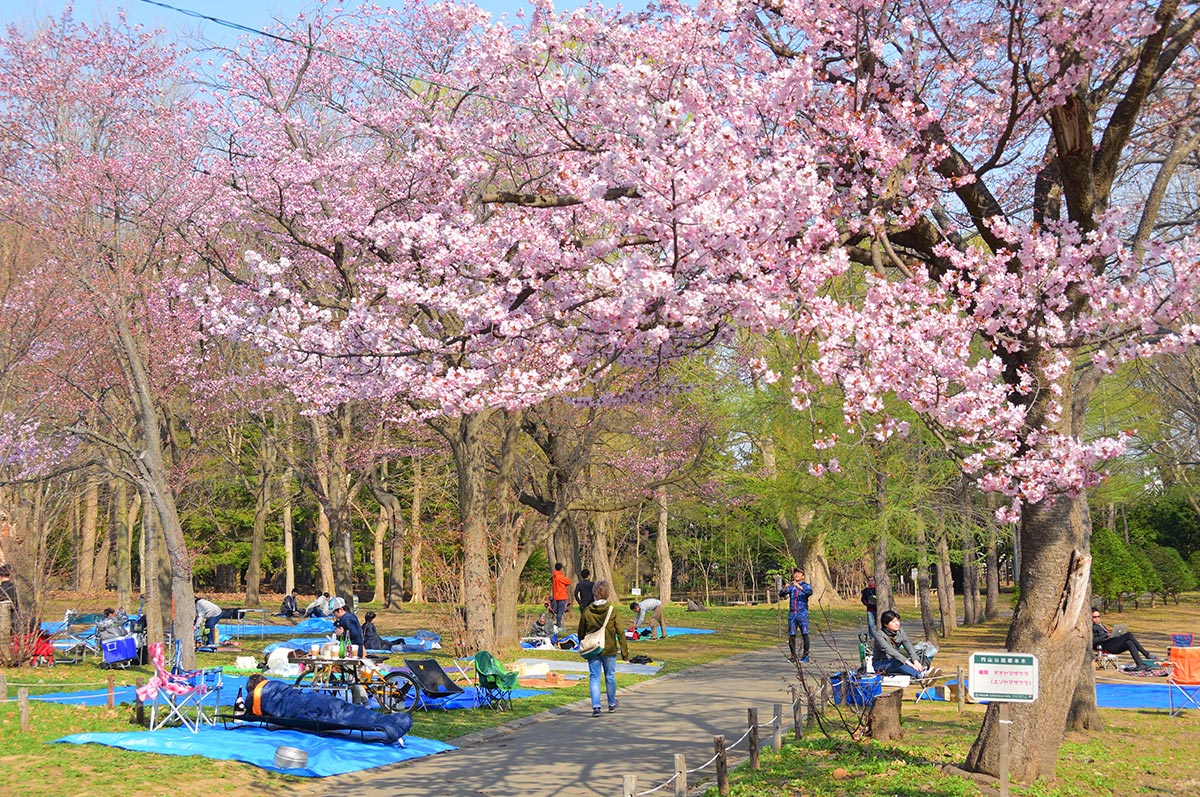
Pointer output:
x,y
883,723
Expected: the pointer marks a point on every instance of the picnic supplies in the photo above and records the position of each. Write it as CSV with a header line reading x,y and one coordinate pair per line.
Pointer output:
x,y
592,645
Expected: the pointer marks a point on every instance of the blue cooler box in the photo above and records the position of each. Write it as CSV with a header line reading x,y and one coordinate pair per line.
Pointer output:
x,y
120,649
855,689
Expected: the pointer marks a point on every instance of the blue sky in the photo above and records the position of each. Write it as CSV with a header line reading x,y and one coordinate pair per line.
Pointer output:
x,y
251,13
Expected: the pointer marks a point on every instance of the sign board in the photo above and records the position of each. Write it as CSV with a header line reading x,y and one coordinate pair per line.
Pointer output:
x,y
1003,677
635,592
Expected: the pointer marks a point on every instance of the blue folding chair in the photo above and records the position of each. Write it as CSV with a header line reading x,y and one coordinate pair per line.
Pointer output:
x,y
185,697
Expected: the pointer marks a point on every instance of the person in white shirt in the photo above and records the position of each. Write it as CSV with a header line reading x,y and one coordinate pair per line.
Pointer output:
x,y
654,609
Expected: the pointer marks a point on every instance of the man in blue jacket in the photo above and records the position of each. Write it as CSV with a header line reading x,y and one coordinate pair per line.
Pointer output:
x,y
798,592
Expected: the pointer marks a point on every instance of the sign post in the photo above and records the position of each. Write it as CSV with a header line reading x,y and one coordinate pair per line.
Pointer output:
x,y
1003,678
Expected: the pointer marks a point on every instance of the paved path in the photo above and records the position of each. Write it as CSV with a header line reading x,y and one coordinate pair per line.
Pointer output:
x,y
567,752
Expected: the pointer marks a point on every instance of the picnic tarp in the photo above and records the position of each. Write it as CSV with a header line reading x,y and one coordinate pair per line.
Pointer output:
x,y
327,755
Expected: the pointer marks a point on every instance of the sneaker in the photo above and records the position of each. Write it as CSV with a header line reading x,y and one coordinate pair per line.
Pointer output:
x,y
613,707
804,660
595,711
932,672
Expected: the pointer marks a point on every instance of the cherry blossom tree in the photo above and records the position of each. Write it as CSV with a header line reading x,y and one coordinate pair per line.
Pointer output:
x,y
472,217
96,164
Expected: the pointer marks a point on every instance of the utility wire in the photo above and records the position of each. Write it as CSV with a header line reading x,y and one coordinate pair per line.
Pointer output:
x,y
389,71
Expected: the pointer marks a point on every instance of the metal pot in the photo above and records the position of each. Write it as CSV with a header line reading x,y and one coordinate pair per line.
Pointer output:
x,y
290,758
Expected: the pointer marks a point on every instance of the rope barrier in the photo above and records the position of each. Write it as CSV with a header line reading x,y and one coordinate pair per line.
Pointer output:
x,y
659,787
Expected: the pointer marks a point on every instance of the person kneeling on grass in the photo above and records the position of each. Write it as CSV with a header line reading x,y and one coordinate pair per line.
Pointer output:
x,y
267,697
894,653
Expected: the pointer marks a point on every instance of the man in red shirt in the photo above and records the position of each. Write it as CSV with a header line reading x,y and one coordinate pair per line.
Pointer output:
x,y
559,593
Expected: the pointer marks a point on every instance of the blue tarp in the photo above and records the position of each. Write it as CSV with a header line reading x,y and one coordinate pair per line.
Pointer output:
x,y
469,699
673,630
128,694
416,645
327,755
1152,695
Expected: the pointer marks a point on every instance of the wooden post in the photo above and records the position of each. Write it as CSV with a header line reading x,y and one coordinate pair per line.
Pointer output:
x,y
962,690
752,738
1004,723
140,711
111,687
628,785
23,702
777,727
722,766
680,775
3,685
797,714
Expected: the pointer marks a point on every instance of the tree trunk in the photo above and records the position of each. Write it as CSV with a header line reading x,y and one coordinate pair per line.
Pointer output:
x,y
664,548
335,490
289,535
390,526
324,556
87,534
991,609
601,563
414,525
1050,623
152,472
945,579
972,611
922,586
123,523
262,507
883,587
470,460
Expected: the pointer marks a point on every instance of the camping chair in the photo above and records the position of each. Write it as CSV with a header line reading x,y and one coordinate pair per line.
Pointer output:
x,y
75,637
1182,640
494,683
181,696
1105,661
432,682
1183,679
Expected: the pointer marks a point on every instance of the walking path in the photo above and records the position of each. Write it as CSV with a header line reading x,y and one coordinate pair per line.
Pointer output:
x,y
567,752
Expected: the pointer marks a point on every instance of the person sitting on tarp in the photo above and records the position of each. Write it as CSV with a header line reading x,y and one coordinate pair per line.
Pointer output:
x,y
1118,643
272,698
371,637
540,627
319,607
289,608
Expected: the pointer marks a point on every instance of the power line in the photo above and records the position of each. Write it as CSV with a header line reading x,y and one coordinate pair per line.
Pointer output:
x,y
395,73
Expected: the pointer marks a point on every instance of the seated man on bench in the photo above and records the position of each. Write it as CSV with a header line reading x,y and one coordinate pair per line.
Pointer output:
x,y
279,703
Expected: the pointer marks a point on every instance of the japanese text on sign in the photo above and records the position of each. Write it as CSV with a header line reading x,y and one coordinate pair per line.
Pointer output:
x,y
1004,677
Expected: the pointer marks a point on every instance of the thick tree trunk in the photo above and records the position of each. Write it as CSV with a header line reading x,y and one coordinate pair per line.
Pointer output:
x,y
466,439
335,490
324,556
1050,622
289,535
601,563
389,527
665,567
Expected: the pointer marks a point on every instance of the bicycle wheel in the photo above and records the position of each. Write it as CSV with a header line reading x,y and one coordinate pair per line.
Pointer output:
x,y
333,683
398,693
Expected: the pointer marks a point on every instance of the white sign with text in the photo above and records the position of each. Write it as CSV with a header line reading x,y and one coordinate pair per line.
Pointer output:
x,y
1003,677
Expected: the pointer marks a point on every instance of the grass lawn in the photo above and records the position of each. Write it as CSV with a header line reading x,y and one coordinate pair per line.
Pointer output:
x,y
1140,752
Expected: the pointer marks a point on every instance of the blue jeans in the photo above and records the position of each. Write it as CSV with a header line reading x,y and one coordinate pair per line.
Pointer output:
x,y
609,665
871,625
893,667
559,608
210,626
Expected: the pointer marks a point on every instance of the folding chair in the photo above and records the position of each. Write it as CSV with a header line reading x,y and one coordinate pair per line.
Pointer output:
x,y
1105,661
494,683
189,697
1183,679
432,681
75,637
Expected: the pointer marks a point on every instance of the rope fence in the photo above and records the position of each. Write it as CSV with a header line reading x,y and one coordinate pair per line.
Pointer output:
x,y
721,750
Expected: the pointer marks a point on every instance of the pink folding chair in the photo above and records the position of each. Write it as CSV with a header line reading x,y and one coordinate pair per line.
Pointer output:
x,y
188,697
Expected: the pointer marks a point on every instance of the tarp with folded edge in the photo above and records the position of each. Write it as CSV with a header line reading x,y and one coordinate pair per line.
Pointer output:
x,y
327,755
